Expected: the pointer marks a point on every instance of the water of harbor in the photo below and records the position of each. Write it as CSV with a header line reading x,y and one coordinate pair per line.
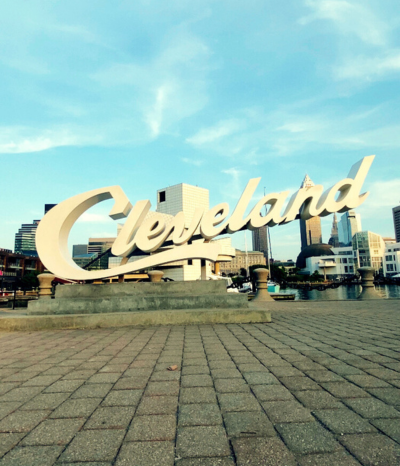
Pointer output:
x,y
343,292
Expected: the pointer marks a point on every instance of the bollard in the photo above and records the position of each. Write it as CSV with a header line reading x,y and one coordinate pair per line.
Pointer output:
x,y
45,288
262,294
367,283
155,276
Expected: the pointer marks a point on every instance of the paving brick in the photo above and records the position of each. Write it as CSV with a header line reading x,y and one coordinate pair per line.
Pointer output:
x,y
371,408
32,456
287,411
344,390
20,394
248,424
93,445
22,421
317,399
92,390
196,381
307,438
104,378
116,417
82,407
45,401
260,378
66,386
131,383
8,441
262,451
199,415
343,421
390,396
372,449
339,458
157,405
299,383
220,461
238,402
366,381
390,427
272,393
225,374
162,388
145,428
146,454
231,386
53,432
324,376
123,398
197,395
202,441
166,376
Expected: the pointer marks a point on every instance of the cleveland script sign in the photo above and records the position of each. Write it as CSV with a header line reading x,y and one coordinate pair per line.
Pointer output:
x,y
149,234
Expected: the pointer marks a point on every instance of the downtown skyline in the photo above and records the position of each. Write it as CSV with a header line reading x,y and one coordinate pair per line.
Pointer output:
x,y
147,95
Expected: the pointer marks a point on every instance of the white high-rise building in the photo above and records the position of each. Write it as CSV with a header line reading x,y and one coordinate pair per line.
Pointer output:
x,y
182,198
349,225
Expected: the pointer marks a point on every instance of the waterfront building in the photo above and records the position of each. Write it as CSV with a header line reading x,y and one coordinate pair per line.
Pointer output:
x,y
243,260
396,222
260,240
310,230
368,250
15,266
391,259
332,263
349,225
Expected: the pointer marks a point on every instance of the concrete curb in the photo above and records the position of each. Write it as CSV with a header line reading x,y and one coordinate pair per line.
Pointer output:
x,y
126,319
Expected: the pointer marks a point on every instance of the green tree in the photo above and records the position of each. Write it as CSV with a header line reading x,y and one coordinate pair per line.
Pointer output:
x,y
30,280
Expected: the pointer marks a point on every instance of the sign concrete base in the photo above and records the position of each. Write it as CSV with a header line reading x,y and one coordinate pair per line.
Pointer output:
x,y
125,304
126,319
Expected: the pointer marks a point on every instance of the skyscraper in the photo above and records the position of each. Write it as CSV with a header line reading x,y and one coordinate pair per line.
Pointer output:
x,y
396,222
349,225
334,239
25,238
260,240
310,230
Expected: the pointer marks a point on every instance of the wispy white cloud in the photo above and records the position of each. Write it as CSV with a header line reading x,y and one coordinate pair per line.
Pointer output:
x,y
214,133
369,68
194,162
381,200
18,140
350,18
166,89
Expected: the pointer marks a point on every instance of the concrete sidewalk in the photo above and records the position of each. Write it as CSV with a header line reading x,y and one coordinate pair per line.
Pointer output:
x,y
320,385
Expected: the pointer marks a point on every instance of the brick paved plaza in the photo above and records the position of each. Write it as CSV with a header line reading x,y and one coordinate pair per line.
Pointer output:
x,y
320,385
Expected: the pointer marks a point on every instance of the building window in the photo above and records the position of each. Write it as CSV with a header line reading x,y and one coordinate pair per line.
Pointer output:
x,y
190,261
389,267
161,196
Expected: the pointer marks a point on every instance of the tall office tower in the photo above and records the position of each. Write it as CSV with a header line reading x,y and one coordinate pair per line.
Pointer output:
x,y
25,239
48,207
349,225
182,198
334,239
260,240
396,222
310,230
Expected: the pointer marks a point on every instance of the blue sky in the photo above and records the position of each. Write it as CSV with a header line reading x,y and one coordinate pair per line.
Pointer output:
x,y
147,94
